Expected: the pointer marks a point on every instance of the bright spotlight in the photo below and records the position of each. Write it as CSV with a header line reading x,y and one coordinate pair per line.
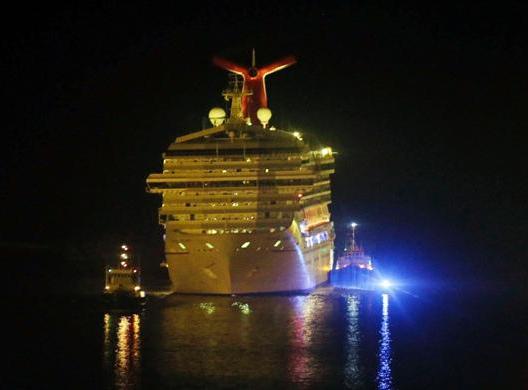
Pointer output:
x,y
386,283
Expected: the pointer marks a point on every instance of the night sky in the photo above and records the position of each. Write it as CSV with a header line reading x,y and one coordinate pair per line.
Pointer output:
x,y
425,106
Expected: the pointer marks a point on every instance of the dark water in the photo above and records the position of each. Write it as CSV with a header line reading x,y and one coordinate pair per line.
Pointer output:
x,y
341,340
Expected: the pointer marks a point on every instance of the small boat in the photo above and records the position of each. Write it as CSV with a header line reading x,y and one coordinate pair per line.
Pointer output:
x,y
354,269
354,254
123,283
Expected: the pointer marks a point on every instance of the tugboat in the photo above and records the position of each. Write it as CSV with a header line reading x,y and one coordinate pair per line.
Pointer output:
x,y
354,269
123,283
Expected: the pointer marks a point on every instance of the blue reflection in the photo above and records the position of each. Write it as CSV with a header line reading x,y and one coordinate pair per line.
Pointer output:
x,y
353,371
384,377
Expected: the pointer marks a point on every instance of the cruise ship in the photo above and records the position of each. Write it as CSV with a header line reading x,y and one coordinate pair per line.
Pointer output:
x,y
245,205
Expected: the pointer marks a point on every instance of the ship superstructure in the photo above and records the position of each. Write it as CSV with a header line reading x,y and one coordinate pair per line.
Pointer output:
x,y
354,269
354,255
244,205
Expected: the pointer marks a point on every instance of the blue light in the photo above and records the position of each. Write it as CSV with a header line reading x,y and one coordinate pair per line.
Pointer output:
x,y
386,283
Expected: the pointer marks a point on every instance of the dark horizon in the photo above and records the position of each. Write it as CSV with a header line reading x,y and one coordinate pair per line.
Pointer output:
x,y
425,107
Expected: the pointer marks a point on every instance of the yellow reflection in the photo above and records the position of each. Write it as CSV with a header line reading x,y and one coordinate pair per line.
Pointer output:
x,y
122,348
107,348
244,307
384,377
106,321
208,307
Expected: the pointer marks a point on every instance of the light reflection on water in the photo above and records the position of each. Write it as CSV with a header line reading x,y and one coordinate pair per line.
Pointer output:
x,y
122,349
303,341
299,359
353,368
384,376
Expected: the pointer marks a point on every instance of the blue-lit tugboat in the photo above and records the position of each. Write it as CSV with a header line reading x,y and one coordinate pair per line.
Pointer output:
x,y
354,269
123,284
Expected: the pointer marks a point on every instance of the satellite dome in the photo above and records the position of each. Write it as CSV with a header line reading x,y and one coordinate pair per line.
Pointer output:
x,y
217,116
264,115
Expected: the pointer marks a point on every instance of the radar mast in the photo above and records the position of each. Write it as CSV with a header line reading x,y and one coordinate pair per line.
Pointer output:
x,y
235,92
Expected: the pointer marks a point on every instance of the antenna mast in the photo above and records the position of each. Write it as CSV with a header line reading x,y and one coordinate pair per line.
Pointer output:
x,y
235,93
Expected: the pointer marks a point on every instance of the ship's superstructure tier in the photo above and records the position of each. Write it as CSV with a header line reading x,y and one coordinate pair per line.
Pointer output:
x,y
236,194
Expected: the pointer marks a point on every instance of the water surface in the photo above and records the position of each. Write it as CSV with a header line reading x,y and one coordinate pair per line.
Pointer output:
x,y
320,340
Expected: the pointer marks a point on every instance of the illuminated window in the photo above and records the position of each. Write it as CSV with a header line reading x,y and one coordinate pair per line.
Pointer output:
x,y
245,245
183,247
209,245
277,243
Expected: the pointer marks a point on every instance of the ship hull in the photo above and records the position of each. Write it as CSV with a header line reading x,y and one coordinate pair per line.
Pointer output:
x,y
219,264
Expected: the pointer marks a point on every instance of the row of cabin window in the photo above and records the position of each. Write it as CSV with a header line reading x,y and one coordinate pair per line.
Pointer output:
x,y
232,203
278,158
222,217
235,231
233,183
240,151
234,170
259,191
